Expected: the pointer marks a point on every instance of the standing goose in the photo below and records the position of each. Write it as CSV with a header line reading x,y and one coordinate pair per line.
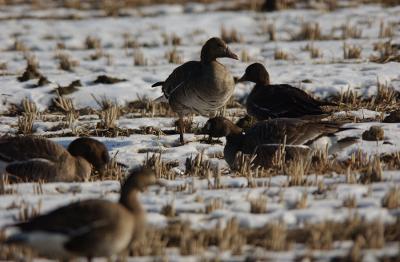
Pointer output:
x,y
266,136
35,158
267,101
89,228
201,87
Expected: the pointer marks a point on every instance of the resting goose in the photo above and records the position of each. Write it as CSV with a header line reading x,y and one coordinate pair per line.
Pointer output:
x,y
31,158
201,87
266,136
89,228
267,101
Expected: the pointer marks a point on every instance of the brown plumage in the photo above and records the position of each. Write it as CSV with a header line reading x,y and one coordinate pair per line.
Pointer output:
x,y
30,158
277,131
92,150
89,228
272,101
201,87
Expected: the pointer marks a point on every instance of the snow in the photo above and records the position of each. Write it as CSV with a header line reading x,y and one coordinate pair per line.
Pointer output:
x,y
326,76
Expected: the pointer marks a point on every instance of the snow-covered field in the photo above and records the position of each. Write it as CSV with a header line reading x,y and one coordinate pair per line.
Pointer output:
x,y
209,202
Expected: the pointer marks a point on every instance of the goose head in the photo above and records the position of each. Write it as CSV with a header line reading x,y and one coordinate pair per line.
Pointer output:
x,y
215,48
220,127
256,73
94,151
137,181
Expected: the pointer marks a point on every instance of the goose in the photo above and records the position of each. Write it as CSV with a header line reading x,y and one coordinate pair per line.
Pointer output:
x,y
201,87
266,136
92,150
267,101
30,158
89,228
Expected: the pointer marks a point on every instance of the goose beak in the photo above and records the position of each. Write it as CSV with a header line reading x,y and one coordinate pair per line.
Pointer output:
x,y
230,54
242,79
205,130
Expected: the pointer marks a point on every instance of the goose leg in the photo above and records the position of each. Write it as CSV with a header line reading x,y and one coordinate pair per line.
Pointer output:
x,y
180,125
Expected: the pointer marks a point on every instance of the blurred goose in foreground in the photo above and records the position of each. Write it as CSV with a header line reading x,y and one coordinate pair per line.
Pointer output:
x,y
30,158
266,137
89,228
271,101
201,87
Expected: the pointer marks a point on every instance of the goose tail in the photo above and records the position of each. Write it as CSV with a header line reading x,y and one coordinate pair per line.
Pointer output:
x,y
158,84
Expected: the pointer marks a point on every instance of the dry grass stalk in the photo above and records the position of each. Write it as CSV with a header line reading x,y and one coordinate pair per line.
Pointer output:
x,y
129,42
296,172
314,51
5,187
279,54
103,102
385,94
309,31
113,170
302,202
350,202
173,56
243,166
230,36
321,236
392,198
3,66
150,243
275,237
214,204
386,30
351,31
28,211
38,187
29,107
92,42
25,123
67,106
244,56
66,63
258,205
198,166
172,39
388,52
169,210
18,45
351,51
374,172
161,168
139,58
108,117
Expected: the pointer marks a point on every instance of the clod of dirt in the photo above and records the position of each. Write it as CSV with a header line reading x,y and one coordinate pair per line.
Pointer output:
x,y
31,72
69,89
393,117
375,133
43,81
104,79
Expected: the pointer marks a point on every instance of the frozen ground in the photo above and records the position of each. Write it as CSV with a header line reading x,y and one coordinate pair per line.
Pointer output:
x,y
323,77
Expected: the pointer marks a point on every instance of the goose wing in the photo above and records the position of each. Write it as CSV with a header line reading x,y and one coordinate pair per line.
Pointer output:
x,y
180,77
34,169
22,148
72,220
296,131
283,101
